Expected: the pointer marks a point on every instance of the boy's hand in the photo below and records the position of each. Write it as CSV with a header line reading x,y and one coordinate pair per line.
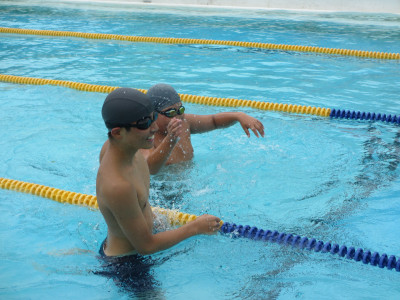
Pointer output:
x,y
247,122
207,224
174,128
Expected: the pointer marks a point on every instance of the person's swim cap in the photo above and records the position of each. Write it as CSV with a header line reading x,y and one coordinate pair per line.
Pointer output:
x,y
124,106
163,95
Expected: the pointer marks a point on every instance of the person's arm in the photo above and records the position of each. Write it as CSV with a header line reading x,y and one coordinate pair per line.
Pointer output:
x,y
204,123
157,157
126,210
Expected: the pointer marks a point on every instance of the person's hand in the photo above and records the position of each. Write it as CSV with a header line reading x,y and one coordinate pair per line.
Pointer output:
x,y
207,224
247,122
174,129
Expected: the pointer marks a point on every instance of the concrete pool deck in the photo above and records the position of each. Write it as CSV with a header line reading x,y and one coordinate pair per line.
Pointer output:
x,y
366,6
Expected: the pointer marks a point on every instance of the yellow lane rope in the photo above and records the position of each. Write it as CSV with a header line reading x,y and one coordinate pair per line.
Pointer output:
x,y
166,40
204,100
174,217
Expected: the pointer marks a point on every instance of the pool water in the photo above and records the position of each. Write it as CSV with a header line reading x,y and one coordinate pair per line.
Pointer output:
x,y
334,180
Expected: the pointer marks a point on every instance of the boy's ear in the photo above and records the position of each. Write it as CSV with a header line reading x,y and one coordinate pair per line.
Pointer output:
x,y
116,132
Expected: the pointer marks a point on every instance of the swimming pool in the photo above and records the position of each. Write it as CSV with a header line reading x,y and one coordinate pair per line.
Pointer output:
x,y
335,180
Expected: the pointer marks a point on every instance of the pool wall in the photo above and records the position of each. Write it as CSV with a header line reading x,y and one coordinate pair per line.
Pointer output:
x,y
373,6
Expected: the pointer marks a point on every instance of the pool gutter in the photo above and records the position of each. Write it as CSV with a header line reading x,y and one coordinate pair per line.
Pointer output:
x,y
365,6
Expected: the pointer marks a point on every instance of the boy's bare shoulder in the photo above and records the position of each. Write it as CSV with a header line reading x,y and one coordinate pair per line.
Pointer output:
x,y
142,162
118,192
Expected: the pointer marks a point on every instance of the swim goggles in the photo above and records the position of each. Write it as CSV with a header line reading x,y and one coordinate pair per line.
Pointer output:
x,y
143,123
170,113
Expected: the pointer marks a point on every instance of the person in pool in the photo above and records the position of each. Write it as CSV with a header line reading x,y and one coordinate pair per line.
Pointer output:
x,y
122,185
172,142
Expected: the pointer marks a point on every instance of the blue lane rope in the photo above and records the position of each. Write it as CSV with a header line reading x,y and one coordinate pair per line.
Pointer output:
x,y
347,114
298,242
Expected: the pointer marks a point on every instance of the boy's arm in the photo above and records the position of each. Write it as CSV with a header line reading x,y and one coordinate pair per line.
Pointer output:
x,y
204,123
126,210
157,157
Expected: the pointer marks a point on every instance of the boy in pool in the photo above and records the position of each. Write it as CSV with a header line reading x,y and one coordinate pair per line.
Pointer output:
x,y
122,188
172,143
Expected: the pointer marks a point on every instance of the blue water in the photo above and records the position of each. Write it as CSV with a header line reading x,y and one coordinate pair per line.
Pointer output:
x,y
334,180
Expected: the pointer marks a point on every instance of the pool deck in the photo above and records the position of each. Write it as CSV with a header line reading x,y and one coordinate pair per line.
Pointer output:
x,y
366,6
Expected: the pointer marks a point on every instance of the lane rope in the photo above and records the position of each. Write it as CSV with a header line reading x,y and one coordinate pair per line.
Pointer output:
x,y
299,242
177,218
214,101
166,40
62,196
204,100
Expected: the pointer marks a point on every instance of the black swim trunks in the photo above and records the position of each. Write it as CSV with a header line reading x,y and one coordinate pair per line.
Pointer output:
x,y
132,273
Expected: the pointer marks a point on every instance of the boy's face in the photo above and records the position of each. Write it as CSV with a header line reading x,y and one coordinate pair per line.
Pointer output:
x,y
167,114
140,136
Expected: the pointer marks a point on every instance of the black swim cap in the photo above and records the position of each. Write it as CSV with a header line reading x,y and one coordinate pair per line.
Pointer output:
x,y
124,106
163,95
